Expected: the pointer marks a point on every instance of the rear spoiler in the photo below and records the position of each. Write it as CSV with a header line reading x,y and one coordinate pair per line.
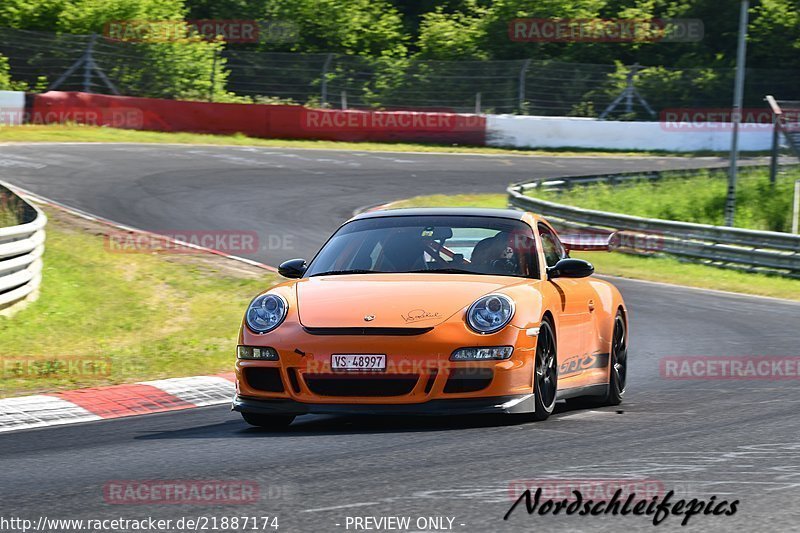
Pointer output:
x,y
587,242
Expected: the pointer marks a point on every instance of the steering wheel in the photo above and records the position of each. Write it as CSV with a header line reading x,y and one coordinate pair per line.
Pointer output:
x,y
508,266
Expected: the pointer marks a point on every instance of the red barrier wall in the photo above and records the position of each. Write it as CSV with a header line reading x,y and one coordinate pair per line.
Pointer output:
x,y
256,120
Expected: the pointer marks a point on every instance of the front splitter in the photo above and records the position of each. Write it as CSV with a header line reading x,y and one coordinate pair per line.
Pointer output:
x,y
514,404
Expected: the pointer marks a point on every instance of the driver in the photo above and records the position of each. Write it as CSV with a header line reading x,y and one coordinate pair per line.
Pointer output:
x,y
403,251
495,255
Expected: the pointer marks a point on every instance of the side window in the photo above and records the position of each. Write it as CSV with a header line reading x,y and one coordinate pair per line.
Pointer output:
x,y
551,246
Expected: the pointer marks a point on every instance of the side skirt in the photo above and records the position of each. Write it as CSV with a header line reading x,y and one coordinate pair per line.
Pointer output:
x,y
589,390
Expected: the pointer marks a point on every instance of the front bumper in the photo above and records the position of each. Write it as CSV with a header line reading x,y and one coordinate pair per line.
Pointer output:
x,y
492,405
418,370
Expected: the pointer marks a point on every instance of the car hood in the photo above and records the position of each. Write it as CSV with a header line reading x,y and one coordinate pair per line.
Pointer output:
x,y
394,300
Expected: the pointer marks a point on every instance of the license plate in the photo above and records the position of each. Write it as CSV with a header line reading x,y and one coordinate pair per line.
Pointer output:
x,y
374,362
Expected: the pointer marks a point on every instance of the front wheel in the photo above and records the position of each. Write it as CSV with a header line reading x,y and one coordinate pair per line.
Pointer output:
x,y
545,373
268,421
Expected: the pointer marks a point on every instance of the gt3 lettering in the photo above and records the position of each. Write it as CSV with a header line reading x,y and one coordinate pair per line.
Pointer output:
x,y
579,363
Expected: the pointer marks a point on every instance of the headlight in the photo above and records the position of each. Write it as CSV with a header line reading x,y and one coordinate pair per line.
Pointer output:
x,y
490,313
266,313
483,353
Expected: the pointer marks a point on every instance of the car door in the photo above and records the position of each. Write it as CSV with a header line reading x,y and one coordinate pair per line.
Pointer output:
x,y
576,316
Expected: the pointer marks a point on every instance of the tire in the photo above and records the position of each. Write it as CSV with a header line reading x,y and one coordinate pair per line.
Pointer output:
x,y
545,373
617,363
268,421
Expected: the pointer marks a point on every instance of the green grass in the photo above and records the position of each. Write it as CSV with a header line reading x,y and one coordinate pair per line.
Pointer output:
x,y
148,316
79,133
662,269
698,199
7,217
8,211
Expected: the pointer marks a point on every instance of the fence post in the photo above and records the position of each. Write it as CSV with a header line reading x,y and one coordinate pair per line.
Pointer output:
x,y
324,85
87,64
627,94
522,72
344,100
477,103
629,88
87,61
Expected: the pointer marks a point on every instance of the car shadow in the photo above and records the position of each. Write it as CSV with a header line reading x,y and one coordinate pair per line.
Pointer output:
x,y
320,425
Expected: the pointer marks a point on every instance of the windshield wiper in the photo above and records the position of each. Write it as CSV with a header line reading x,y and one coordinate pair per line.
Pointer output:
x,y
441,271
340,272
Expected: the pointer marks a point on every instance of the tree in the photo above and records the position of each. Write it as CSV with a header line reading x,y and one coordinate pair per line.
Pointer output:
x,y
774,36
180,68
371,28
483,32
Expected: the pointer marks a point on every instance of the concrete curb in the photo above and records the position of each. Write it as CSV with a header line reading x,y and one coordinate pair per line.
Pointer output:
x,y
115,401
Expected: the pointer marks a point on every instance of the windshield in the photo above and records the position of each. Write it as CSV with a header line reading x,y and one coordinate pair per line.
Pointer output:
x,y
444,244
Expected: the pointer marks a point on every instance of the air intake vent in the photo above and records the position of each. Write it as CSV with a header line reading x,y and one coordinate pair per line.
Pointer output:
x,y
264,379
468,380
361,385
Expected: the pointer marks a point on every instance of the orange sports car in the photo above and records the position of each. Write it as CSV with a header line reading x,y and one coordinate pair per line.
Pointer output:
x,y
433,311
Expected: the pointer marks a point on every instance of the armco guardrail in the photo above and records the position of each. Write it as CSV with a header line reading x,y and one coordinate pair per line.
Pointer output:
x,y
21,249
723,246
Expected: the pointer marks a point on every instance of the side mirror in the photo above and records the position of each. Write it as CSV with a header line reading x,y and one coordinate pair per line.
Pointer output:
x,y
293,268
570,268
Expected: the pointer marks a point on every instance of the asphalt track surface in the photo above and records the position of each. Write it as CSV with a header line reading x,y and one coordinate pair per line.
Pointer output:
x,y
733,439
